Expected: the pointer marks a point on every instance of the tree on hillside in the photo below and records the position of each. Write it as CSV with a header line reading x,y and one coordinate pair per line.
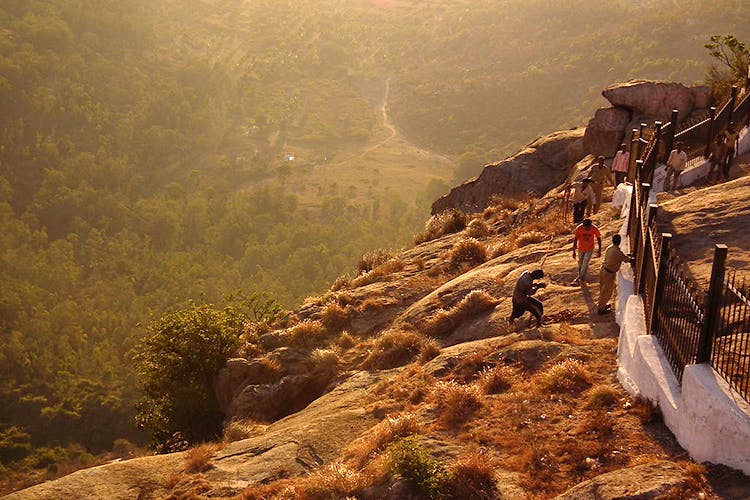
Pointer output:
x,y
734,58
176,362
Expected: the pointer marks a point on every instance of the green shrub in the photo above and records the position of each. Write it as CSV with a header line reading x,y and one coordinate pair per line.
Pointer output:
x,y
176,362
425,475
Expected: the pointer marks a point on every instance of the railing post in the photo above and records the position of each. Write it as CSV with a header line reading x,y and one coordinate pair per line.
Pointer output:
x,y
645,192
732,103
665,252
669,143
634,155
747,78
713,304
645,244
710,134
655,155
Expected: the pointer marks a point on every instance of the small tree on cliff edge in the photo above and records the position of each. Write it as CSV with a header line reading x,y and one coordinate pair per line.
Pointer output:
x,y
176,362
734,58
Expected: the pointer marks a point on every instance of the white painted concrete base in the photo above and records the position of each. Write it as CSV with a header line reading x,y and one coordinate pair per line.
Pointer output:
x,y
710,421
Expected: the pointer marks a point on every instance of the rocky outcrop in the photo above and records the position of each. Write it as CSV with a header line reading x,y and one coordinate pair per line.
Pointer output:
x,y
536,169
636,483
657,99
640,101
606,131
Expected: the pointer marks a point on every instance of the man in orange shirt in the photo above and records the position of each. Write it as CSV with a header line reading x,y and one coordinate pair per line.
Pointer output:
x,y
584,241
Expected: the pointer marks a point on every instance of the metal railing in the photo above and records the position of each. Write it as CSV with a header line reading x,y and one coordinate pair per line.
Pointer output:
x,y
691,325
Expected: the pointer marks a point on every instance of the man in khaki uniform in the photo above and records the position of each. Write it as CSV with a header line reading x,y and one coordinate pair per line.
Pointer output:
x,y
613,258
599,175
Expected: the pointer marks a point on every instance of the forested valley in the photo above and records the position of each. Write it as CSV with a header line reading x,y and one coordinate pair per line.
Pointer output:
x,y
155,153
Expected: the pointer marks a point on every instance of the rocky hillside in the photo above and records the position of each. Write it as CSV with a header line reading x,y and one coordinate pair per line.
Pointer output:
x,y
547,162
408,381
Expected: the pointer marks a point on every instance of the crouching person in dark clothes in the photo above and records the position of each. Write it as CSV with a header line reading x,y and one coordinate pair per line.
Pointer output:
x,y
522,296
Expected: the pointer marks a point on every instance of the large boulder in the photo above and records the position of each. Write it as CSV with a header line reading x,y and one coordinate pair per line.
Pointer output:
x,y
606,131
536,169
657,99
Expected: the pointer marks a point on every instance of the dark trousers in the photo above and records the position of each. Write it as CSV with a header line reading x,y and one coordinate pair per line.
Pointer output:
x,y
579,209
727,163
620,177
531,305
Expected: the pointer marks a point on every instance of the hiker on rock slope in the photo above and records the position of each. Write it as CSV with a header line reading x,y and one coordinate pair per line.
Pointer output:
x,y
522,296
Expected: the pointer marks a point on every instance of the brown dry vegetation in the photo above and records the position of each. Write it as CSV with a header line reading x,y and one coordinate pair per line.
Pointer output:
x,y
467,251
444,321
198,459
398,347
450,221
552,423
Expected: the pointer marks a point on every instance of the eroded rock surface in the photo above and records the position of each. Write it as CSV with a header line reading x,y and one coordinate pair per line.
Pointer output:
x,y
636,483
536,169
657,99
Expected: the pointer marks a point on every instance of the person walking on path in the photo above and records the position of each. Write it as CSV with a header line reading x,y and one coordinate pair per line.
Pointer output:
x,y
583,200
675,166
716,158
599,174
620,164
583,241
613,259
522,296
732,136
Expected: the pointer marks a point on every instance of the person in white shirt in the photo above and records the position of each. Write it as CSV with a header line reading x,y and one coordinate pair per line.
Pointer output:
x,y
675,166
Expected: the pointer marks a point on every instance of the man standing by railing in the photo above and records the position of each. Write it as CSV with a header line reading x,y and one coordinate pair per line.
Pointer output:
x,y
613,259
620,165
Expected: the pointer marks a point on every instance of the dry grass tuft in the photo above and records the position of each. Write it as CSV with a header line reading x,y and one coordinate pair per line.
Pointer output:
x,y
373,259
497,379
379,273
342,282
198,459
529,237
456,402
567,376
306,333
477,228
647,411
237,430
398,347
499,249
602,396
334,317
346,340
444,321
472,475
450,221
334,480
324,358
376,439
467,250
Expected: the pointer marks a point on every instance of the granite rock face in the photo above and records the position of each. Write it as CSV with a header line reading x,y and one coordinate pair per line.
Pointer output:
x,y
536,169
657,99
636,483
606,131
